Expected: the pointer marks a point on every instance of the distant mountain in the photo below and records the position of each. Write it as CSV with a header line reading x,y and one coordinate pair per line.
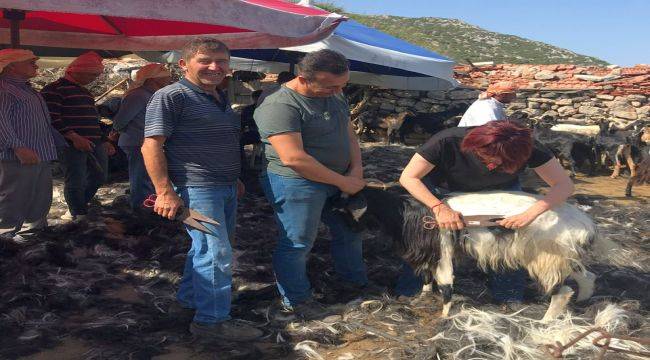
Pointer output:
x,y
460,41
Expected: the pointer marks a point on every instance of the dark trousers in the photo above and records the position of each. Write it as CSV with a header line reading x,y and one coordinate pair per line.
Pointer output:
x,y
84,173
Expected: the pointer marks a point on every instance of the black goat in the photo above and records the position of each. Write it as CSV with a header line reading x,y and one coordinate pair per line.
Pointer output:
x,y
642,173
431,123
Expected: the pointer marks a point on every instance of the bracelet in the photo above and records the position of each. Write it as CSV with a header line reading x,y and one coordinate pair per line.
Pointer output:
x,y
436,205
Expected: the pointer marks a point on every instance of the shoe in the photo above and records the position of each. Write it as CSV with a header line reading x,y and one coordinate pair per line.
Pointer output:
x,y
308,310
230,330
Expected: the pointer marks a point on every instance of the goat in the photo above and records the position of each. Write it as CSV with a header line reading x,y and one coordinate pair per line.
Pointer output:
x,y
551,248
642,174
431,123
563,145
624,146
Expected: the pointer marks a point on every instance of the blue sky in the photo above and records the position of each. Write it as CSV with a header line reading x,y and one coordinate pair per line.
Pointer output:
x,y
615,31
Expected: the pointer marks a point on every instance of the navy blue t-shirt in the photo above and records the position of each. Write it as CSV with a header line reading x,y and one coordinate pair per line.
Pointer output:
x,y
202,146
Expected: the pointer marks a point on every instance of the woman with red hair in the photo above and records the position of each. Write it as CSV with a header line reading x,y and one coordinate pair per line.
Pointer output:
x,y
487,157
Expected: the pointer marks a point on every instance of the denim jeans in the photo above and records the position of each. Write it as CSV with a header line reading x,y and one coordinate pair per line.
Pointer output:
x,y
83,175
207,277
140,185
505,285
299,206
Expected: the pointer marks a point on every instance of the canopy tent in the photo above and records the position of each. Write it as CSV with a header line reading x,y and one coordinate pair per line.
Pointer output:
x,y
132,25
376,58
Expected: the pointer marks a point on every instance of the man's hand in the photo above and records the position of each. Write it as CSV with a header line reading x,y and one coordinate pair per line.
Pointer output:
x,y
82,144
241,189
448,218
26,156
109,148
167,204
356,172
352,185
519,220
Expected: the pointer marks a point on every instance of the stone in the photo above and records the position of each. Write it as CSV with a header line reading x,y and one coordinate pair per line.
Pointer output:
x,y
624,111
536,84
545,106
516,106
604,97
545,75
639,98
437,95
643,112
406,102
555,107
387,106
542,100
376,100
533,105
422,106
635,103
579,116
565,111
590,110
550,95
551,113
594,78
388,95
437,108
463,95
533,112
406,93
563,102
399,109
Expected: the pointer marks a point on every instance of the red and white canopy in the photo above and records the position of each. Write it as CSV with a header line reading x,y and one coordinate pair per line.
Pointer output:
x,y
137,25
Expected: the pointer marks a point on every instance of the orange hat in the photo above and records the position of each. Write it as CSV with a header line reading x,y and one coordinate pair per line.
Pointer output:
x,y
501,87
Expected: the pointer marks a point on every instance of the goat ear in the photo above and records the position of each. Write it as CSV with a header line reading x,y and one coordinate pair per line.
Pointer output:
x,y
357,206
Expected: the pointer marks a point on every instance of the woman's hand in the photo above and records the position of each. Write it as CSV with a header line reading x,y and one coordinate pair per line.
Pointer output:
x,y
448,218
519,220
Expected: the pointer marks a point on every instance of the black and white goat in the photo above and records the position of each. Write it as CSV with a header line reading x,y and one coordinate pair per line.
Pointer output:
x,y
551,248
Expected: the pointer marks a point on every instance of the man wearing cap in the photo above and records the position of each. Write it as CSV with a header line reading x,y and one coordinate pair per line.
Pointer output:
x,y
129,122
74,115
26,147
490,104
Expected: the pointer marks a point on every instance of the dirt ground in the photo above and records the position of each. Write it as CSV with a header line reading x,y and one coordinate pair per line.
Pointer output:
x,y
105,290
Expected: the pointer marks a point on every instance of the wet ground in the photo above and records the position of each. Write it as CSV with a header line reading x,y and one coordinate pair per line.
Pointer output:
x,y
105,289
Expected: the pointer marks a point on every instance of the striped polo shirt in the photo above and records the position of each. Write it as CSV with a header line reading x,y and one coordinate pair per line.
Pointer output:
x,y
72,108
202,135
24,120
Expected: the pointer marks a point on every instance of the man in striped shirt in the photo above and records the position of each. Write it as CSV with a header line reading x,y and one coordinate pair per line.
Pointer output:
x,y
191,149
74,115
26,147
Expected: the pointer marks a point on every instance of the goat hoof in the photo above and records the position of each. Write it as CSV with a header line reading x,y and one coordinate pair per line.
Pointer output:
x,y
445,310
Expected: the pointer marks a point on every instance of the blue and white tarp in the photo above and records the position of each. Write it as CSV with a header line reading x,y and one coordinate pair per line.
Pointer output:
x,y
376,58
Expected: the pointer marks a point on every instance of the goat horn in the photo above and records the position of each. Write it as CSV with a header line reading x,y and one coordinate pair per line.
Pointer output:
x,y
378,184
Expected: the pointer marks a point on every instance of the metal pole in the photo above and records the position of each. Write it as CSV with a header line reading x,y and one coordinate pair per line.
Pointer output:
x,y
15,17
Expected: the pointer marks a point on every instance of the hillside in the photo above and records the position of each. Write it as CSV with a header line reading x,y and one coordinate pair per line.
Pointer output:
x,y
460,41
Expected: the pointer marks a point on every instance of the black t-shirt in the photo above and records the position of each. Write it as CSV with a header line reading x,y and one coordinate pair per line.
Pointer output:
x,y
459,171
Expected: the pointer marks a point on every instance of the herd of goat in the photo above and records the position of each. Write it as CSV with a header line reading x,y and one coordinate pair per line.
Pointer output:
x,y
576,146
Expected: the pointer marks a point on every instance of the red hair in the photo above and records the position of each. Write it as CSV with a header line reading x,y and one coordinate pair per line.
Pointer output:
x,y
500,144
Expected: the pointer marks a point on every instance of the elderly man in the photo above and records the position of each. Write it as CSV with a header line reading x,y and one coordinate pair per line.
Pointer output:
x,y
191,149
74,115
129,122
26,147
312,157
490,104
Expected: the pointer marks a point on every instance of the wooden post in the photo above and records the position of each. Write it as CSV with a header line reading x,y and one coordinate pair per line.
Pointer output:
x,y
15,17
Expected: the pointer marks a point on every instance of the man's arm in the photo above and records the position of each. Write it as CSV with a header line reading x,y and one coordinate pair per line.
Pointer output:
x,y
167,201
356,166
290,149
54,101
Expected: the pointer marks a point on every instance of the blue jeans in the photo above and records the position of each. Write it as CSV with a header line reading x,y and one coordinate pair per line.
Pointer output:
x,y
140,185
207,277
299,206
505,286
83,175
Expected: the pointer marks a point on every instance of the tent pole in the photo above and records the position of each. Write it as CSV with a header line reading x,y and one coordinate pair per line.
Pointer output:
x,y
15,17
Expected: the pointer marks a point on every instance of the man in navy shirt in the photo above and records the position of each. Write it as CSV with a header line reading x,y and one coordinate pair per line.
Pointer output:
x,y
191,152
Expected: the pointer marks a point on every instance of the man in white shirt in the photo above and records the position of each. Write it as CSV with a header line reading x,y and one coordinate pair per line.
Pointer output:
x,y
490,104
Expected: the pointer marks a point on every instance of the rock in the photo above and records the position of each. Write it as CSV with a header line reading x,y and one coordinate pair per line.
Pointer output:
x,y
590,110
579,116
624,111
437,108
635,103
388,95
438,95
517,106
640,98
643,112
533,112
422,106
555,107
463,95
594,78
533,105
399,109
545,106
545,75
387,106
551,113
550,95
563,102
406,93
542,100
407,102
604,97
536,84
565,111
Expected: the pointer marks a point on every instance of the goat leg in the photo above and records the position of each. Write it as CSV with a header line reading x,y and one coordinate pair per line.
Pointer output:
x,y
586,281
558,304
445,270
630,163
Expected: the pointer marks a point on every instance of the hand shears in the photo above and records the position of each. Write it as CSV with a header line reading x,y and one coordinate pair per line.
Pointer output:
x,y
469,220
188,216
